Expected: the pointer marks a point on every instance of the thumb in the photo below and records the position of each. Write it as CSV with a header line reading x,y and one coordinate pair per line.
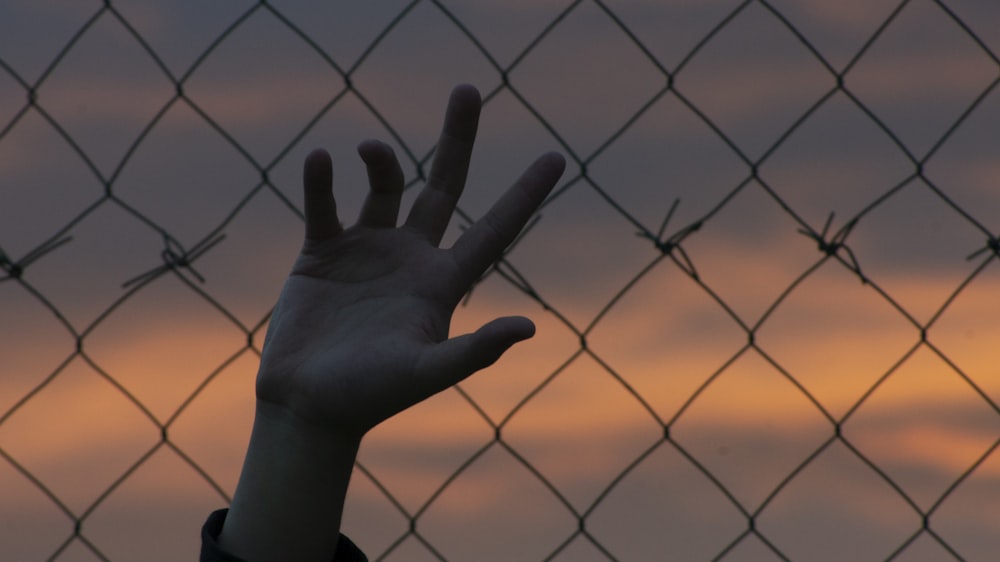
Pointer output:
x,y
452,360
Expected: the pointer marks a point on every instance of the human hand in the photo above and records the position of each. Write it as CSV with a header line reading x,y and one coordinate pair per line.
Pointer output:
x,y
360,331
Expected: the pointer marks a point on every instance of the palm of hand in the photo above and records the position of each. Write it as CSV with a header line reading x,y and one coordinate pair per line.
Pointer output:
x,y
356,320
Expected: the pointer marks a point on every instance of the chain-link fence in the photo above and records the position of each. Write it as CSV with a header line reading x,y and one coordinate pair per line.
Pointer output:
x,y
765,289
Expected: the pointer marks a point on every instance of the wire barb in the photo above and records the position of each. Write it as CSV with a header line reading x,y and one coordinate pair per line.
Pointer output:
x,y
15,269
176,258
832,246
992,245
671,245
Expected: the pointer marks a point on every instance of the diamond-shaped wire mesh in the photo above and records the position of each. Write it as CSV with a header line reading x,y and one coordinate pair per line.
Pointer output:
x,y
765,289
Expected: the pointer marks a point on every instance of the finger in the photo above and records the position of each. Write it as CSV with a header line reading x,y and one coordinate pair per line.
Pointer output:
x,y
321,209
385,177
433,208
452,360
487,238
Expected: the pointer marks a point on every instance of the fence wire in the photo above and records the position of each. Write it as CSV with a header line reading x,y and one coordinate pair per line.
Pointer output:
x,y
672,244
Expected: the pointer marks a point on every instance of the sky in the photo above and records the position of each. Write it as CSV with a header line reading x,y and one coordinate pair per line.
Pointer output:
x,y
824,186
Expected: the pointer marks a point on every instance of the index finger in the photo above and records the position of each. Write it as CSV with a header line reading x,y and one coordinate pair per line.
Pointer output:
x,y
433,208
484,241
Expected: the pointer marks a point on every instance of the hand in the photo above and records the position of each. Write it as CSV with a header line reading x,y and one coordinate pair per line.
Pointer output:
x,y
360,332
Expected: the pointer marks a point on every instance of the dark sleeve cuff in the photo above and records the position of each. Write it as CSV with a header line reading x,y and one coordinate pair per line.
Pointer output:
x,y
210,551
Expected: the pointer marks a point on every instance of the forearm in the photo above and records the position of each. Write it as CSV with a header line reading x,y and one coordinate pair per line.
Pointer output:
x,y
290,497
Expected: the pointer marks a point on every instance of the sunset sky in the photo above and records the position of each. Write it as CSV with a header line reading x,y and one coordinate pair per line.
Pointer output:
x,y
748,342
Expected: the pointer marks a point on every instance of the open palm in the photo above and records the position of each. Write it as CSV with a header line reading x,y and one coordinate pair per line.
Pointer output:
x,y
361,329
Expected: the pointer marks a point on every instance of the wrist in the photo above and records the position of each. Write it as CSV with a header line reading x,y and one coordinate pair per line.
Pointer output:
x,y
291,490
308,436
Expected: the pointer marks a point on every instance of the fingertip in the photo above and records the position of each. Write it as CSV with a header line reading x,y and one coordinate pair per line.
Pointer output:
x,y
366,147
553,162
486,345
543,174
462,114
452,360
319,157
318,170
512,329
371,149
524,328
466,93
